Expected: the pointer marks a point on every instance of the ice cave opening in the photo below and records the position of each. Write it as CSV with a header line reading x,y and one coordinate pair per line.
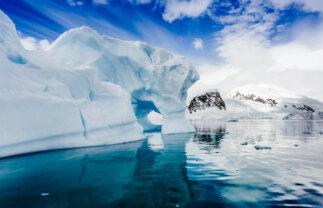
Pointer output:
x,y
148,115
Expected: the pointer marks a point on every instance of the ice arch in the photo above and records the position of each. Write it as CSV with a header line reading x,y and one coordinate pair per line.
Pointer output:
x,y
156,79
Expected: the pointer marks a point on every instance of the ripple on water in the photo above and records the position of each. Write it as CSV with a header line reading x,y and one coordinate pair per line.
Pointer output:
x,y
260,169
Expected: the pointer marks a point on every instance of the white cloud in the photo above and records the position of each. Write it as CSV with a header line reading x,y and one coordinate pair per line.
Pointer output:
x,y
43,44
245,43
254,52
94,2
140,1
75,3
30,43
250,56
100,2
309,5
178,9
198,43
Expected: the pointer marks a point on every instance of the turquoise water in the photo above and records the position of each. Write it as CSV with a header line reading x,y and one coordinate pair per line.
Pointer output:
x,y
232,164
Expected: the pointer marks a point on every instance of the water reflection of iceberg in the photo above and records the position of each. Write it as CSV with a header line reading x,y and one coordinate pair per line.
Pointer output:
x,y
159,178
86,177
155,142
150,173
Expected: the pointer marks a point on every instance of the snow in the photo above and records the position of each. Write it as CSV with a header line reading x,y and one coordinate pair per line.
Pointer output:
x,y
240,108
86,90
266,91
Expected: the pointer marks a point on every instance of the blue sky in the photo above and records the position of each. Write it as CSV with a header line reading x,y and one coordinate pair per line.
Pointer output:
x,y
222,38
118,18
156,22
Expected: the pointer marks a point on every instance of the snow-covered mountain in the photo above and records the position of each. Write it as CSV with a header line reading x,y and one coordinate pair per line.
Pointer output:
x,y
259,102
86,90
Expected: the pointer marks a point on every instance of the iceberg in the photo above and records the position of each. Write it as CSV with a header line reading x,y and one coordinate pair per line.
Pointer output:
x,y
87,90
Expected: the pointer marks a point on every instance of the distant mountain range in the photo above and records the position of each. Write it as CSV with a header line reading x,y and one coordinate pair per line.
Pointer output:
x,y
254,102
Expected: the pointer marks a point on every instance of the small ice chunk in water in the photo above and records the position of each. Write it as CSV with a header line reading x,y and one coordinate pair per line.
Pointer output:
x,y
233,120
258,147
244,143
44,194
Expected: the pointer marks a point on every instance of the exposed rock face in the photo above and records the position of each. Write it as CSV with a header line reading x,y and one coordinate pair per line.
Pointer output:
x,y
304,108
255,98
209,99
306,112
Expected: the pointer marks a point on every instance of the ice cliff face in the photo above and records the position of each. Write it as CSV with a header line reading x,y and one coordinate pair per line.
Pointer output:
x,y
263,102
86,90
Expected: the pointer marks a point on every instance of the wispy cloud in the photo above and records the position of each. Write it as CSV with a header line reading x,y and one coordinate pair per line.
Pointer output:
x,y
198,43
140,1
75,2
178,9
310,5
81,2
100,2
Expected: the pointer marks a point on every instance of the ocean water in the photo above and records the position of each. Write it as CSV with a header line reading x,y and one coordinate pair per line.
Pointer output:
x,y
225,164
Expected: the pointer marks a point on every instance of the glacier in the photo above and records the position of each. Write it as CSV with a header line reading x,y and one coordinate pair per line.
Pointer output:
x,y
87,90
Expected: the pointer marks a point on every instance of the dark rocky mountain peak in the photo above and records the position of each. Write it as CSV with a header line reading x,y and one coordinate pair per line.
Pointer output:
x,y
209,99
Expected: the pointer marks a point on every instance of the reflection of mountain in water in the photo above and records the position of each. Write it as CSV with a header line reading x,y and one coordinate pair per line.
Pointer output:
x,y
239,175
212,140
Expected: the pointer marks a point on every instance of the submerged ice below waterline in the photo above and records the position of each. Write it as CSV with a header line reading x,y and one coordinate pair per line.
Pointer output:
x,y
209,169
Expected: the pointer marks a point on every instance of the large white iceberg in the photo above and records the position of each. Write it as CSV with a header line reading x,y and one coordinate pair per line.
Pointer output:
x,y
86,90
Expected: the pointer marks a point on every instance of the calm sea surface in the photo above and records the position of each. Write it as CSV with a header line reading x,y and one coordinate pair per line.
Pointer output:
x,y
225,164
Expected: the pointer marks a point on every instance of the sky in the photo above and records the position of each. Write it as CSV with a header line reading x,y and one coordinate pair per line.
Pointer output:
x,y
230,42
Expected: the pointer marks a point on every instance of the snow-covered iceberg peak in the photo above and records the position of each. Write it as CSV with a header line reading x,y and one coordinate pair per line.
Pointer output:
x,y
86,90
156,79
9,43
